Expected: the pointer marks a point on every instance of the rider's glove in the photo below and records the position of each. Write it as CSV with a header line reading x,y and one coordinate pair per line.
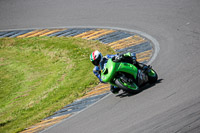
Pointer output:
x,y
118,57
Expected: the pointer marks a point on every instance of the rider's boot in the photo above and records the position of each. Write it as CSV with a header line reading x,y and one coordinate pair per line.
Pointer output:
x,y
141,66
114,89
145,68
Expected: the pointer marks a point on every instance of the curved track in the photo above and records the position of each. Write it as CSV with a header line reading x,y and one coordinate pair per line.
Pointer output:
x,y
173,105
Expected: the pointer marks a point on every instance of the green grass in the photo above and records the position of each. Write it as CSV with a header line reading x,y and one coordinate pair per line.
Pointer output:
x,y
40,75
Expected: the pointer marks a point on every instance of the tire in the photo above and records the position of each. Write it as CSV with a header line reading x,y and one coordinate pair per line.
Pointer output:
x,y
124,88
153,79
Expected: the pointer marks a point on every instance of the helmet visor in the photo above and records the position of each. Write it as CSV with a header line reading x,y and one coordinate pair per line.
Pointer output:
x,y
96,61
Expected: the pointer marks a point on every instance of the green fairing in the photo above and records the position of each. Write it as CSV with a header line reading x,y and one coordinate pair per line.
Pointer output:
x,y
113,67
151,73
109,71
128,68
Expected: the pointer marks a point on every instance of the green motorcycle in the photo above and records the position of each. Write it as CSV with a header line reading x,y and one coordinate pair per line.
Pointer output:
x,y
126,76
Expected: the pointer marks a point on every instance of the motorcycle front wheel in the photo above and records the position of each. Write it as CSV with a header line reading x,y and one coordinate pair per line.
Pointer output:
x,y
130,88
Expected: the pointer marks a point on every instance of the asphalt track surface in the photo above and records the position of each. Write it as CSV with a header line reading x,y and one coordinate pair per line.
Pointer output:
x,y
173,104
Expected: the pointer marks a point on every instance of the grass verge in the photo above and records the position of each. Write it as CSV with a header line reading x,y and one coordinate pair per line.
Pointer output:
x,y
40,75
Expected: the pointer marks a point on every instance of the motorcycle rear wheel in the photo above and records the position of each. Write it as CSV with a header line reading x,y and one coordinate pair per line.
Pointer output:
x,y
152,76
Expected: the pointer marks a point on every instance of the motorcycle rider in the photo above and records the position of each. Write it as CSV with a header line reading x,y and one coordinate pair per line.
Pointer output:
x,y
99,61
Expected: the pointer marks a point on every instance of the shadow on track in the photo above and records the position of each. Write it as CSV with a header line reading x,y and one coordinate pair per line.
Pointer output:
x,y
145,87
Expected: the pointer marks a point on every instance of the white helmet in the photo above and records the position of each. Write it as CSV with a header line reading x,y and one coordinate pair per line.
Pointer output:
x,y
96,57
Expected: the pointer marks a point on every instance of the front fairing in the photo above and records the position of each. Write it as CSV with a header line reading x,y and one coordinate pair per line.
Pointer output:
x,y
109,71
